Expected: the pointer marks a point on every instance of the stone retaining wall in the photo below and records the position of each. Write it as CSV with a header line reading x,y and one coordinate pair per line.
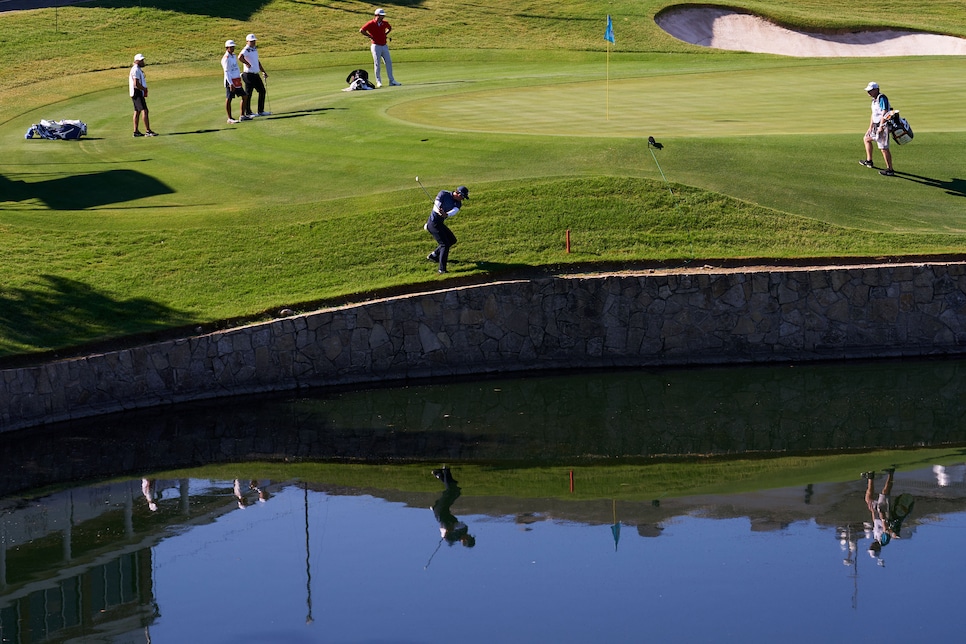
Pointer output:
x,y
653,318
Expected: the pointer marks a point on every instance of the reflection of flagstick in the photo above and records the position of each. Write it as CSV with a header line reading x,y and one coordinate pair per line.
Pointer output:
x,y
616,528
308,568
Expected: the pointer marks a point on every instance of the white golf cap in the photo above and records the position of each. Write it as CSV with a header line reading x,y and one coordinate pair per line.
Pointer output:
x,y
229,43
379,12
871,86
251,38
138,57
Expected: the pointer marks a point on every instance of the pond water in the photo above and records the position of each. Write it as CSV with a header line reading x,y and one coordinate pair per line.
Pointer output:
x,y
567,512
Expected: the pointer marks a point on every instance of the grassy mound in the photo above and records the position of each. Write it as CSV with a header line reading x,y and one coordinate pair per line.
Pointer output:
x,y
113,236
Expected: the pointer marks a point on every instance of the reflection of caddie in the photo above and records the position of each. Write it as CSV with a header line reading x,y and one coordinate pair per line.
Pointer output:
x,y
447,204
878,130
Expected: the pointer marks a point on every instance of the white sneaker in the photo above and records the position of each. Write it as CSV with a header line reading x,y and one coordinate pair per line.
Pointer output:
x,y
264,114
233,121
246,117
378,84
394,83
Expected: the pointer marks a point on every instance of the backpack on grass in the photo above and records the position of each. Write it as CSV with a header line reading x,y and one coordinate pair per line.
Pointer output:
x,y
65,130
358,79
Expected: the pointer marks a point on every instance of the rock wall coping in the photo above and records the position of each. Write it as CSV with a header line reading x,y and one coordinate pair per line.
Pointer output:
x,y
708,316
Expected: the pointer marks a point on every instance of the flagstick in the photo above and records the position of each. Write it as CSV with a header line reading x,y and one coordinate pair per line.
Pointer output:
x,y
607,84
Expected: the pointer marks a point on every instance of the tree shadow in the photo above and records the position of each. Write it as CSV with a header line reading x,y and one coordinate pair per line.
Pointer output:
x,y
955,187
82,191
59,312
236,10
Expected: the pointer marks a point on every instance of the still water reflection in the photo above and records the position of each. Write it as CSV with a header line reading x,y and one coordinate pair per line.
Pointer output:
x,y
566,513
270,561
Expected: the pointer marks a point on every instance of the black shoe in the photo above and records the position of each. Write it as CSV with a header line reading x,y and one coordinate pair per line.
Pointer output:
x,y
137,134
890,470
441,271
869,476
432,258
887,173
150,133
867,163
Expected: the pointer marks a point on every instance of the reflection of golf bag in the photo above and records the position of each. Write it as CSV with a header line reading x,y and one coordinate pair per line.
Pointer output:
x,y
53,130
358,79
898,127
901,508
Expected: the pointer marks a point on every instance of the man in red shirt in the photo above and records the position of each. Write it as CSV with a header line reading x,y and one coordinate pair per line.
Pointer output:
x,y
377,31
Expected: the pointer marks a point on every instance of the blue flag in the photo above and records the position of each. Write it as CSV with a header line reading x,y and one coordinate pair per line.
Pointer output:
x,y
609,34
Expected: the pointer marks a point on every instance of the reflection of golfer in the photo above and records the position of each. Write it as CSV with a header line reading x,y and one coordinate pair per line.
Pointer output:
x,y
451,529
447,204
149,488
884,524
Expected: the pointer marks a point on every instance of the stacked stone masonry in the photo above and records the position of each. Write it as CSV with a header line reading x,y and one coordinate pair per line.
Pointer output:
x,y
616,320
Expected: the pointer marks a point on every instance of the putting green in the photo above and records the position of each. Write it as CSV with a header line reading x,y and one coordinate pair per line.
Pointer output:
x,y
771,99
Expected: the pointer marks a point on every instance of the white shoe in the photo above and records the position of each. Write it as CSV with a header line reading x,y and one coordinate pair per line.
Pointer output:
x,y
264,114
378,84
394,83
246,117
233,121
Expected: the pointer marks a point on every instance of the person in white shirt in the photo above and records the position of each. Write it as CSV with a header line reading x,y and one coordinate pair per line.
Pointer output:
x,y
251,68
138,90
233,83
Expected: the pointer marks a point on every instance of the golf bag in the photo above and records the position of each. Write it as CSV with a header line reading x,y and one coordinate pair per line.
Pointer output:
x,y
358,79
899,128
67,129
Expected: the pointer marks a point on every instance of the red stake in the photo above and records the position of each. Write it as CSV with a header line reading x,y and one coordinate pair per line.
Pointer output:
x,y
568,252
571,479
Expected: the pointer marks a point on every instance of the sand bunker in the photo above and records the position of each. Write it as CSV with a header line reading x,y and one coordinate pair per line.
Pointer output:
x,y
723,28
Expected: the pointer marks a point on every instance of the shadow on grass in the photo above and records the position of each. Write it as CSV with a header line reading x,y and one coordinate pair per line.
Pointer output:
x,y
236,10
59,312
191,132
954,187
82,191
297,113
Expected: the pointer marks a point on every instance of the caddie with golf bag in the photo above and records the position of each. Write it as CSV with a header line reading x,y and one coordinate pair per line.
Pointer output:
x,y
878,130
446,205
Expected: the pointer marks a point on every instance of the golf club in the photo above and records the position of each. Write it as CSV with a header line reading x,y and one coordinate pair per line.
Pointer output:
x,y
268,96
424,188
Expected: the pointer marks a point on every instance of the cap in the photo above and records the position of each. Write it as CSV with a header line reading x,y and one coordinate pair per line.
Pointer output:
x,y
871,86
251,38
379,12
138,57
463,190
229,43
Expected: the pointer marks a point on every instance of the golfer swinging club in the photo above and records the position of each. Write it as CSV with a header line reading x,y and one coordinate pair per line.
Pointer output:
x,y
447,204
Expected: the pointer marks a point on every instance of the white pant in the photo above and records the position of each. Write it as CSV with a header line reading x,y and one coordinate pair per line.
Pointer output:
x,y
380,53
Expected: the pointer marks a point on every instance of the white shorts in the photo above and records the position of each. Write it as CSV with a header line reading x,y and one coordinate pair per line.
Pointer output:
x,y
879,134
